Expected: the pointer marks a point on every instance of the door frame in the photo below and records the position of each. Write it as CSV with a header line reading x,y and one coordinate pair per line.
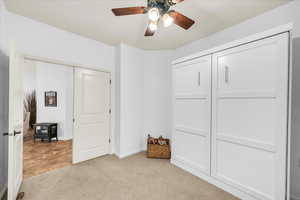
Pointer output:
x,y
94,68
11,184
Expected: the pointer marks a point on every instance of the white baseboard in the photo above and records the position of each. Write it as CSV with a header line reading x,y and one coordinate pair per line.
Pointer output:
x,y
124,155
64,139
197,172
293,197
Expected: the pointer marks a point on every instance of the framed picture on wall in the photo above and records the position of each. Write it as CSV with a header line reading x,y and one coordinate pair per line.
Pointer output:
x,y
51,99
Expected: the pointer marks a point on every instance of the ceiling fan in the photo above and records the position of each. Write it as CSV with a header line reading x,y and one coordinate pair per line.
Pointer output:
x,y
158,9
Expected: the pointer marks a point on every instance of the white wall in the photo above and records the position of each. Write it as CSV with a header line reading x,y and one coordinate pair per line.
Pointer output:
x,y
42,40
143,97
295,146
157,95
59,78
29,76
43,77
117,93
3,12
131,99
38,39
278,16
3,120
3,103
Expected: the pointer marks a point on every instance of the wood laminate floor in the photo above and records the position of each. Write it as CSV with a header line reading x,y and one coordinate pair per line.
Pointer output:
x,y
41,157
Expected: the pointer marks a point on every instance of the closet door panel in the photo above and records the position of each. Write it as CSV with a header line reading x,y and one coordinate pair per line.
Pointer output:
x,y
238,166
249,117
192,78
192,113
252,68
191,148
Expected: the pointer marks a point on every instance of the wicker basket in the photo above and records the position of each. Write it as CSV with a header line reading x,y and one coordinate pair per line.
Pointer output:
x,y
158,148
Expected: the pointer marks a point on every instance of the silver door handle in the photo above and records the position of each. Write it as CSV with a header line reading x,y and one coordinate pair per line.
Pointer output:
x,y
226,74
199,78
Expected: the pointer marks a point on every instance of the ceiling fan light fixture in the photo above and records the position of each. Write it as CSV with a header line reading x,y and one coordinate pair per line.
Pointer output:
x,y
167,19
153,26
153,14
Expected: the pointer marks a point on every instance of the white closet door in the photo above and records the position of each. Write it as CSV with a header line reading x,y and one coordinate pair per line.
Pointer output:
x,y
192,105
92,116
249,126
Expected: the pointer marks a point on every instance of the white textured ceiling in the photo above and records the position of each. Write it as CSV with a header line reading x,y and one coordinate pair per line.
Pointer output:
x,y
94,19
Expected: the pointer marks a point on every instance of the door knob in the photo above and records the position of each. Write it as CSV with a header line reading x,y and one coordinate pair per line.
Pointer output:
x,y
7,134
17,132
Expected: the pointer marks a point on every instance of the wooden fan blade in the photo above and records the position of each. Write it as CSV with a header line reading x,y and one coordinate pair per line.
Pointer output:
x,y
181,20
128,11
149,32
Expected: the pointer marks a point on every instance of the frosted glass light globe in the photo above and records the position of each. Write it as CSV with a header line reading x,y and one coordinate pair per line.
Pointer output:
x,y
153,26
153,14
167,19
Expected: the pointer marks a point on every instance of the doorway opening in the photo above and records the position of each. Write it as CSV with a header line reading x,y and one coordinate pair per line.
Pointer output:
x,y
66,115
47,117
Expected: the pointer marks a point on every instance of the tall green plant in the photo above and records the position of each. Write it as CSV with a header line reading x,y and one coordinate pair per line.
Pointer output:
x,y
30,106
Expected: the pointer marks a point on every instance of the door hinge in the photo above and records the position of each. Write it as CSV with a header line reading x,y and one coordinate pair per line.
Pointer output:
x,y
73,120
110,81
109,111
109,140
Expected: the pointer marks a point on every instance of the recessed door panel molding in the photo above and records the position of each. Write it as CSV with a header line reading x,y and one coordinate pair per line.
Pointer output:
x,y
192,149
191,78
249,117
192,112
91,114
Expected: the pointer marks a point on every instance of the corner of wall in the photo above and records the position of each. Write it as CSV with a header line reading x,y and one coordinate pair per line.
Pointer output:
x,y
3,28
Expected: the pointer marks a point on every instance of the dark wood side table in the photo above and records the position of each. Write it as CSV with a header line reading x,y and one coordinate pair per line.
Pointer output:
x,y
45,131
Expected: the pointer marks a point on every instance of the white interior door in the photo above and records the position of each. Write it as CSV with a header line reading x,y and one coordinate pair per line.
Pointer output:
x,y
192,106
249,127
15,141
92,114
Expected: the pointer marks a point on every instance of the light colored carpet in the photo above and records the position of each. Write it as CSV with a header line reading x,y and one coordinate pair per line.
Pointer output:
x,y
132,178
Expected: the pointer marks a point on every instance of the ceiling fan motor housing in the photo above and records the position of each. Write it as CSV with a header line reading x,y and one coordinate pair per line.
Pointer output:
x,y
162,5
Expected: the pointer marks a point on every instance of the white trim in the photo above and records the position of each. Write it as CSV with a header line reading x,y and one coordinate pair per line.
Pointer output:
x,y
192,164
64,139
246,142
61,62
288,179
192,131
124,155
191,96
251,38
250,191
199,173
